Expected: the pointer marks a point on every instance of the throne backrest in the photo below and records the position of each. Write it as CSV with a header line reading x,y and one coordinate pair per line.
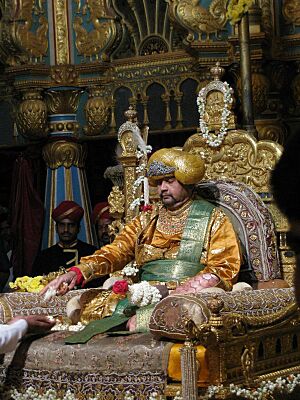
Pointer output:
x,y
253,224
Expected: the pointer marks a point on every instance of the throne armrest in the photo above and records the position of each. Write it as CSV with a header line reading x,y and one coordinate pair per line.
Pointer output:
x,y
170,315
19,303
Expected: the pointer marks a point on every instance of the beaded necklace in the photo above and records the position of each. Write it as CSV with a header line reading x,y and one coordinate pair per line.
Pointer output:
x,y
172,222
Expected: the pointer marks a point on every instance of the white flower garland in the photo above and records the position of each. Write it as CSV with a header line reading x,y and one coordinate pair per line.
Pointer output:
x,y
129,270
283,385
142,179
142,294
212,139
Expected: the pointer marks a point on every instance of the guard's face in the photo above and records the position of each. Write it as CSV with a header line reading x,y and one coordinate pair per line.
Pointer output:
x,y
102,231
172,193
67,230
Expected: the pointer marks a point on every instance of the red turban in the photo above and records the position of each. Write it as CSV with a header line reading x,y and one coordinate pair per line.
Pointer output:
x,y
101,210
68,210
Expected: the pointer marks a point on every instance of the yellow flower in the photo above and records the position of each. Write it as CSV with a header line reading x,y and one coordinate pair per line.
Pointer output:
x,y
28,284
236,9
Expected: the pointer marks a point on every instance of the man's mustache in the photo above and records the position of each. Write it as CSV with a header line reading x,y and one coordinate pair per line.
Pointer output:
x,y
163,194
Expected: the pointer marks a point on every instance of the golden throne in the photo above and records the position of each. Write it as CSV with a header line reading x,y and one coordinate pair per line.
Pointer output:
x,y
243,337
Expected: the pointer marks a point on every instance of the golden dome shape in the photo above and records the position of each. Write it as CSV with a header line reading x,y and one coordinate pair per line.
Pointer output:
x,y
187,168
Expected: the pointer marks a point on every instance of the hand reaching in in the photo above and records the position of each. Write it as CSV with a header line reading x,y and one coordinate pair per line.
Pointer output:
x,y
36,323
62,284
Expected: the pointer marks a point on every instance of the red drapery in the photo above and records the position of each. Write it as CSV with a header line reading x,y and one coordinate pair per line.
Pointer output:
x,y
27,216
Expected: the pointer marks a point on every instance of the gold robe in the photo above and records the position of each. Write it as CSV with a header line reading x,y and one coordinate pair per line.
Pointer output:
x,y
143,240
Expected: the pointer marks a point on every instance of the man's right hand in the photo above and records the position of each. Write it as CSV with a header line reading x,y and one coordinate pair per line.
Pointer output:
x,y
62,284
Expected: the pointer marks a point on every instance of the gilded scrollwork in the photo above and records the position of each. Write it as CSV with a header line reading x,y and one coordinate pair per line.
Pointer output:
x,y
197,19
64,75
64,153
116,201
241,157
63,101
96,112
91,43
60,11
24,32
291,11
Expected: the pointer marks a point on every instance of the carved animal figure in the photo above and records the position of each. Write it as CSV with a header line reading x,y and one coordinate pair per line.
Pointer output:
x,y
197,19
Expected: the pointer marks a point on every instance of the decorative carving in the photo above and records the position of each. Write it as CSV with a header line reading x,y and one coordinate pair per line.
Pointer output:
x,y
93,42
24,32
153,45
291,11
63,101
96,112
31,117
198,20
60,12
247,360
260,89
116,201
267,16
64,75
64,153
273,130
215,103
241,158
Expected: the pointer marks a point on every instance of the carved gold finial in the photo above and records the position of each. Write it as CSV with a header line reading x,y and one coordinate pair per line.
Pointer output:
x,y
217,71
131,114
215,305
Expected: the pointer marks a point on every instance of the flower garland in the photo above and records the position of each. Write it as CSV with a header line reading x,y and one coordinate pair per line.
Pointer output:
x,y
142,179
212,139
236,9
130,270
280,385
284,386
142,294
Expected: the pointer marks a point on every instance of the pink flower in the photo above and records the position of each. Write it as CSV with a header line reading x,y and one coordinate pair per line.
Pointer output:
x,y
146,208
120,287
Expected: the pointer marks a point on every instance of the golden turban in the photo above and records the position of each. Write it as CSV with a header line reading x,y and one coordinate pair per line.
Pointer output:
x,y
187,168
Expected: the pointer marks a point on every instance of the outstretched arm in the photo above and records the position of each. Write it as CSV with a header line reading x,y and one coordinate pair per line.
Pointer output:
x,y
11,333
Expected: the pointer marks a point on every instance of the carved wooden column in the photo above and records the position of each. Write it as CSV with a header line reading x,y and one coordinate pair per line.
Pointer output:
x,y
65,160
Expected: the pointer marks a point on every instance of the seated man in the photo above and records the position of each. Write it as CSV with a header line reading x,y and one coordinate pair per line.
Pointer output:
x,y
102,218
187,244
69,250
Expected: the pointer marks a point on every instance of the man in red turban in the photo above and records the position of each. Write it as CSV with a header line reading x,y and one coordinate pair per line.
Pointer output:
x,y
69,249
102,218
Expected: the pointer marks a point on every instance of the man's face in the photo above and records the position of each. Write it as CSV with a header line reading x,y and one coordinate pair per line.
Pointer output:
x,y
67,231
172,193
102,231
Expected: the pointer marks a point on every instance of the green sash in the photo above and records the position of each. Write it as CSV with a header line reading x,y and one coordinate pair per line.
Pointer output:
x,y
187,264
